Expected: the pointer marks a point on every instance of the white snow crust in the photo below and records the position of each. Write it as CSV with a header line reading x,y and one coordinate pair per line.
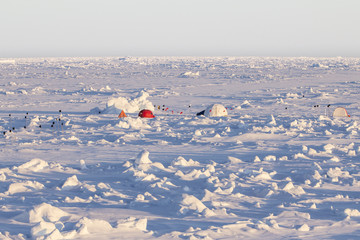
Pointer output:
x,y
277,166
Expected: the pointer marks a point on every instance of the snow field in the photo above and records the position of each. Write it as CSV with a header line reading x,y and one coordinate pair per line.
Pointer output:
x,y
278,166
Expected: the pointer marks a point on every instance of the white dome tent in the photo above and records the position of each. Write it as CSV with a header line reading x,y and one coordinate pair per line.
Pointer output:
x,y
216,110
340,112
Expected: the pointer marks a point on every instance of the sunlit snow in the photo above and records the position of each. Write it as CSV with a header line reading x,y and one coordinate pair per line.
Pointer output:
x,y
277,165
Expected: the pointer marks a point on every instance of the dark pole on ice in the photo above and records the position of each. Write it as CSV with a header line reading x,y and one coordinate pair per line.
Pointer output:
x,y
26,117
326,112
52,126
10,122
60,116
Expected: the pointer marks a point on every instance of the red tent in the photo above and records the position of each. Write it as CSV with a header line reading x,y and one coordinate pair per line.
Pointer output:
x,y
145,113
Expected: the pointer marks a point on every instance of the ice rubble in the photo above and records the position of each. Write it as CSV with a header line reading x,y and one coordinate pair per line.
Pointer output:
x,y
49,222
134,105
273,169
33,165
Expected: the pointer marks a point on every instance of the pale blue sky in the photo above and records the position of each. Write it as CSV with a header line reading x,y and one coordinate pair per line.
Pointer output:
x,y
48,28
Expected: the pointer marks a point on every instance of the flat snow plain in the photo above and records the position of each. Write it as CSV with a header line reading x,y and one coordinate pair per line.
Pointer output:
x,y
279,166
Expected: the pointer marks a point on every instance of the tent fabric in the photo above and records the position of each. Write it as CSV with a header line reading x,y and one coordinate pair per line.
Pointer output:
x,y
216,110
201,113
340,112
145,113
122,114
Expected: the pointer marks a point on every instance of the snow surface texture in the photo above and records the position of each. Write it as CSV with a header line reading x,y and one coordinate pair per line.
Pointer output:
x,y
278,166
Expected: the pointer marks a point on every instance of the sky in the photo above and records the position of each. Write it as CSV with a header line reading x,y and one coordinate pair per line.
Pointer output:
x,y
85,28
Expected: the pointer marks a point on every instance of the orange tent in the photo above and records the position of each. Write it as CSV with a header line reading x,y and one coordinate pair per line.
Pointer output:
x,y
122,114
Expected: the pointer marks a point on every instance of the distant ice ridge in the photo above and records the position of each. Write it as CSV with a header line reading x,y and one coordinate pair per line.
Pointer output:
x,y
115,105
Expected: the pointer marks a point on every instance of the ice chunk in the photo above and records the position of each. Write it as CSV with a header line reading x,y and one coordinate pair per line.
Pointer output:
x,y
82,164
304,228
132,222
115,105
71,183
143,158
42,229
27,186
190,202
34,165
352,212
88,226
43,212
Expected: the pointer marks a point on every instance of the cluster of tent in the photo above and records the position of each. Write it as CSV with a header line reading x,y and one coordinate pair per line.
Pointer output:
x,y
214,110
218,110
145,113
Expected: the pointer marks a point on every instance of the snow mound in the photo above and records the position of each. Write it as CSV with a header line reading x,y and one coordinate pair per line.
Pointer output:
x,y
263,176
180,161
194,174
143,158
294,190
34,165
337,172
270,158
2,176
38,90
115,105
272,121
43,212
352,212
71,183
132,222
133,123
88,226
45,229
142,161
27,186
289,215
78,200
191,203
246,104
83,164
304,228
49,225
34,122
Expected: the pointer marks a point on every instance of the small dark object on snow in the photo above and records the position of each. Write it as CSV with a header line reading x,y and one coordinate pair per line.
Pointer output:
x,y
201,113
